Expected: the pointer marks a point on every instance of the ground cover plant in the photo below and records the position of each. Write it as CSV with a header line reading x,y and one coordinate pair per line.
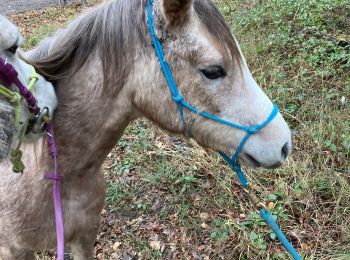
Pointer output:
x,y
167,198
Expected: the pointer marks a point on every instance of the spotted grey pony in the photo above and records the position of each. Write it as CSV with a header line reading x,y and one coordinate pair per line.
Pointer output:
x,y
106,74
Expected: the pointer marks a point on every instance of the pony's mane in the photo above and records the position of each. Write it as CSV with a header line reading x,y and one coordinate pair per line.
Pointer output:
x,y
114,30
111,29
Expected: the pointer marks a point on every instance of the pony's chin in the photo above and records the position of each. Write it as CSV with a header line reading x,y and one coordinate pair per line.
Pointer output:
x,y
250,162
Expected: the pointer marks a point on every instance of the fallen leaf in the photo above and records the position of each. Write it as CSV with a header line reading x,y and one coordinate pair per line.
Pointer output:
x,y
204,216
116,246
155,245
204,225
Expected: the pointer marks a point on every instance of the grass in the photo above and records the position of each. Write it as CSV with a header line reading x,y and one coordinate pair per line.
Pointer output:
x,y
167,198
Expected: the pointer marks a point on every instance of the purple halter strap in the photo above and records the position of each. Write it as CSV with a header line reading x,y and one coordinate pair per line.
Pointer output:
x,y
9,75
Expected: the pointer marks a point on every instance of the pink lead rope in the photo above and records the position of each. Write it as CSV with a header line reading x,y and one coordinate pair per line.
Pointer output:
x,y
9,75
56,192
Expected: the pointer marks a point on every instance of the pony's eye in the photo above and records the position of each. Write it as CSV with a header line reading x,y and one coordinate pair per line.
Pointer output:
x,y
214,72
13,49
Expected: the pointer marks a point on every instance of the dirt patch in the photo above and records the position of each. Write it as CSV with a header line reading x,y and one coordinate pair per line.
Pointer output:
x,y
17,6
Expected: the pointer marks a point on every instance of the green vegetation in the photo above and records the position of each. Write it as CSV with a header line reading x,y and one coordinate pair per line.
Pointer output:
x,y
299,52
167,198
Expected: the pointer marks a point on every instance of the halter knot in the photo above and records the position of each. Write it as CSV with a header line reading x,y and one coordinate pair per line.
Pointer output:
x,y
52,176
178,98
16,98
235,165
51,141
253,130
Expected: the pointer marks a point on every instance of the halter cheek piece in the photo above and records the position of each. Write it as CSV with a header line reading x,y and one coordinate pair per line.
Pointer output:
x,y
250,130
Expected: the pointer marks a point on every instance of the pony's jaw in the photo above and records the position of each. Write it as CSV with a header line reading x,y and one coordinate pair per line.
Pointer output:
x,y
269,148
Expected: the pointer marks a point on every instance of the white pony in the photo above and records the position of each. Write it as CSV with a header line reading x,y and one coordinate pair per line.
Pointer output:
x,y
11,134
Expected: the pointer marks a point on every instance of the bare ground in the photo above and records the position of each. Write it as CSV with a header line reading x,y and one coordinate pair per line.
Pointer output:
x,y
17,6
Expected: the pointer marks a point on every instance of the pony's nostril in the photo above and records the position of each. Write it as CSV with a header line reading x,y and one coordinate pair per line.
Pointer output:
x,y
285,151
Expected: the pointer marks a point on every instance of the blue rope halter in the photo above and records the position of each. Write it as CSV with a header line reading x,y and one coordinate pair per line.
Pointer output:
x,y
250,130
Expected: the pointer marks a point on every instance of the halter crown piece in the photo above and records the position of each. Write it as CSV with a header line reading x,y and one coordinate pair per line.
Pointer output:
x,y
9,76
250,130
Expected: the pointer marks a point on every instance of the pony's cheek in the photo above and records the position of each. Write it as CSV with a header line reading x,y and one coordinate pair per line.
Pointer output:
x,y
158,107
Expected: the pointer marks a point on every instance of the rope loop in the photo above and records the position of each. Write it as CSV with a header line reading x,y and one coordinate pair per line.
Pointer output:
x,y
16,98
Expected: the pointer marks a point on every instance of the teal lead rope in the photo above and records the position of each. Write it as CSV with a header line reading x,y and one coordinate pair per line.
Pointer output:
x,y
233,162
264,213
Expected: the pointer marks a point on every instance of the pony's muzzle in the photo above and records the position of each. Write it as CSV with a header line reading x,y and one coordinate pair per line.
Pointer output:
x,y
254,161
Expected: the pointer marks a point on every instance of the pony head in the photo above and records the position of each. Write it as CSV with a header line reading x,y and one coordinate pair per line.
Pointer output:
x,y
211,74
113,43
11,131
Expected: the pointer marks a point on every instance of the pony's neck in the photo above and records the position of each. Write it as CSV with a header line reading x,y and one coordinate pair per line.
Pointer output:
x,y
89,120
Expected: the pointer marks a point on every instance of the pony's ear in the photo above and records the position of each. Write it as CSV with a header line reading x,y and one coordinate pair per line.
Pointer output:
x,y
176,11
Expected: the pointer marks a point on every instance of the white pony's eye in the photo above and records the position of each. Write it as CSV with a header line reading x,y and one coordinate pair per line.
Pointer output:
x,y
13,49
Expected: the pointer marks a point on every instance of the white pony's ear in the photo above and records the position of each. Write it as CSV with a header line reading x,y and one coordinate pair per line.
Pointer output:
x,y
176,11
